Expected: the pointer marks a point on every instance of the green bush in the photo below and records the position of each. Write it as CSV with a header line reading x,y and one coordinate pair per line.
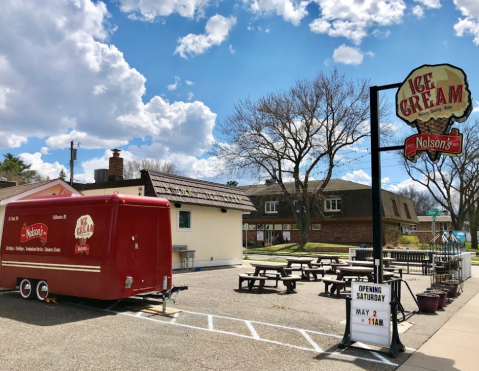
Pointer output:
x,y
409,240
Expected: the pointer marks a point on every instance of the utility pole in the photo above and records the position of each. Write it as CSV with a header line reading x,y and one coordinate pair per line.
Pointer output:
x,y
73,157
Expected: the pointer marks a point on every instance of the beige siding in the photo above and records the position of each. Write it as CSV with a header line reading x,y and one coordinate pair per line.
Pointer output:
x,y
215,236
133,190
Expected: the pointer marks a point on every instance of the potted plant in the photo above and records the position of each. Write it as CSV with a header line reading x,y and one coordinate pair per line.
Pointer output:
x,y
442,297
427,302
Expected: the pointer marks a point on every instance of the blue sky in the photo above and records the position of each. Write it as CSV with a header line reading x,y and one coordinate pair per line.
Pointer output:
x,y
153,77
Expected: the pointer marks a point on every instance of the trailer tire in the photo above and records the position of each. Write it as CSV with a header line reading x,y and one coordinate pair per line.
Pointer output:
x,y
28,288
42,290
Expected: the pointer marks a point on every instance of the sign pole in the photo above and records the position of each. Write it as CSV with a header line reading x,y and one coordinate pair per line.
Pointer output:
x,y
376,185
376,177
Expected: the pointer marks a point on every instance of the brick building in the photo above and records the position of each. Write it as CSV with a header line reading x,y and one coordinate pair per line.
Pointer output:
x,y
341,214
423,230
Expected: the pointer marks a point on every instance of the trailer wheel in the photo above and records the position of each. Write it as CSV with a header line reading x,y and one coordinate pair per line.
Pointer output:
x,y
42,290
28,288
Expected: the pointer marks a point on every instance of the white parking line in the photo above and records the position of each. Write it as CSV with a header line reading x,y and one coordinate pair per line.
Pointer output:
x,y
254,335
252,329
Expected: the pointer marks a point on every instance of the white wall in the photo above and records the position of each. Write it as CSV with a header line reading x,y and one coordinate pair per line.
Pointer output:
x,y
215,236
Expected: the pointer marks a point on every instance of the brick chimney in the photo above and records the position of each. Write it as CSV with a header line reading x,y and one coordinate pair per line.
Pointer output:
x,y
115,171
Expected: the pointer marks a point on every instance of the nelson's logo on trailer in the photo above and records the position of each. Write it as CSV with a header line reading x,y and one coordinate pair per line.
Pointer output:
x,y
431,99
37,230
83,231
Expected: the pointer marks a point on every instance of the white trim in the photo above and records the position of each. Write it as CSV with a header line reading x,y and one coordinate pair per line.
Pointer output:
x,y
178,221
38,189
270,202
333,199
61,267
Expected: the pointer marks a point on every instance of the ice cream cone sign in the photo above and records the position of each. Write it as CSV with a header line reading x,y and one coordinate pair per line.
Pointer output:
x,y
431,99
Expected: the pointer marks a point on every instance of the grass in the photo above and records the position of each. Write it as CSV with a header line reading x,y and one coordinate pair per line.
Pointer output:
x,y
295,250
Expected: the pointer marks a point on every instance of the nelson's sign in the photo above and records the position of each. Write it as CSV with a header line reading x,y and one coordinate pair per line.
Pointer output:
x,y
431,99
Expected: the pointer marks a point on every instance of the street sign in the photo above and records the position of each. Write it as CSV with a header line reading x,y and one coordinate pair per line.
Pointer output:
x,y
434,212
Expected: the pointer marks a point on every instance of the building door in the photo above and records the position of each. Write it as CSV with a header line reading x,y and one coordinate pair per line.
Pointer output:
x,y
269,238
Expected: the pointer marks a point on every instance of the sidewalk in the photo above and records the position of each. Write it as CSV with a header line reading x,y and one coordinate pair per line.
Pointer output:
x,y
453,346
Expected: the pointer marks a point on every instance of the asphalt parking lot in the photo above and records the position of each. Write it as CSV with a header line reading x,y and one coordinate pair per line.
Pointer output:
x,y
216,327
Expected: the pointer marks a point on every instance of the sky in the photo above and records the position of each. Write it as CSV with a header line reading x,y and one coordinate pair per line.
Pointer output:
x,y
154,77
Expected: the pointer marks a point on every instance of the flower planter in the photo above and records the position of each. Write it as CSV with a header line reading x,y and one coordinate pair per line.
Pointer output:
x,y
427,302
442,297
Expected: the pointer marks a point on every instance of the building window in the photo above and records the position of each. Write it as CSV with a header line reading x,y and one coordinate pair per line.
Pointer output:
x,y
278,227
272,207
413,227
252,227
332,204
316,227
184,220
407,211
260,227
269,227
286,227
295,227
443,226
395,208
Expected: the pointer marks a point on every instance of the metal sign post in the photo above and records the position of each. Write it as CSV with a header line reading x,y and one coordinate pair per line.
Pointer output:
x,y
376,178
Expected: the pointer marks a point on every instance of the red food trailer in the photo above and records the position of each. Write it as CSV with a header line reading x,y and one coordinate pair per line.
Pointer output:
x,y
102,247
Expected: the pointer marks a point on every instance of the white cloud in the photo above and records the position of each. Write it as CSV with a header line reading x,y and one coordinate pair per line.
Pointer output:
x,y
406,184
149,10
99,89
65,83
216,31
291,10
190,95
43,168
418,11
44,150
347,55
469,25
175,85
435,4
381,34
352,19
10,140
232,51
476,109
359,176
188,82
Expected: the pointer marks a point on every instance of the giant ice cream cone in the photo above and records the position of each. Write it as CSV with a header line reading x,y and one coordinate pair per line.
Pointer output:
x,y
433,126
431,99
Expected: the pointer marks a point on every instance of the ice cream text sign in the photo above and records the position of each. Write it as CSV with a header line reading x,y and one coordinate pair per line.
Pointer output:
x,y
431,99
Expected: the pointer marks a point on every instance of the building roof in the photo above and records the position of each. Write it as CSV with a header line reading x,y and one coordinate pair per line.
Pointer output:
x,y
313,186
178,189
16,192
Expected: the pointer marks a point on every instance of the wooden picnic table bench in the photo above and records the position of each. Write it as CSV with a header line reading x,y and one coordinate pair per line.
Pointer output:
x,y
337,285
251,280
290,282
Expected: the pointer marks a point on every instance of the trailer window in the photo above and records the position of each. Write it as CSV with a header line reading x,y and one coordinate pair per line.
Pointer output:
x,y
184,220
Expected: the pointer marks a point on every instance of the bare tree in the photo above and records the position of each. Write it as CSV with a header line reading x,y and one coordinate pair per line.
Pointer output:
x,y
131,169
453,182
292,135
421,200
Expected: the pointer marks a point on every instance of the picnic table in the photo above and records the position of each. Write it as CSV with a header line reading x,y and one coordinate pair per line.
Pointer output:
x,y
322,257
355,271
386,260
307,262
270,271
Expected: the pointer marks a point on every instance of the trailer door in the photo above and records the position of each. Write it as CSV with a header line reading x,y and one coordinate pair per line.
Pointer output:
x,y
143,244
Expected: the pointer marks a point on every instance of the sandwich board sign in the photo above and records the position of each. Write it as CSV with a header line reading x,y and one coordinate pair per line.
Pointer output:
x,y
431,99
371,313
